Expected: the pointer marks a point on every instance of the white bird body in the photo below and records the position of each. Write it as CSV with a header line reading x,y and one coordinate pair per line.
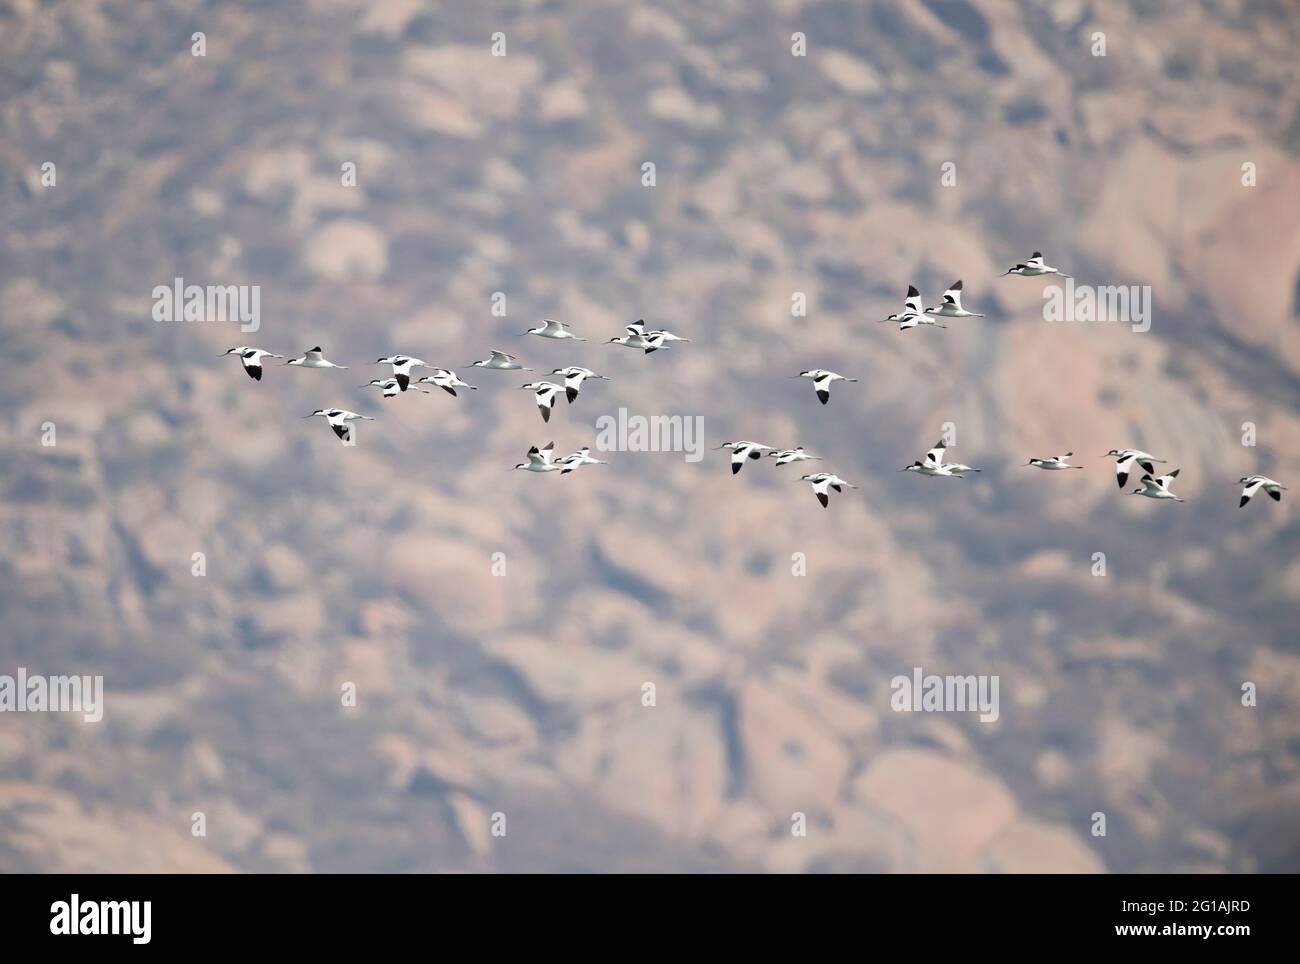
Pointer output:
x,y
744,450
252,359
1033,268
447,380
573,379
1054,463
338,419
539,460
934,466
664,335
822,381
499,361
550,328
1158,488
544,393
950,306
402,365
391,387
638,337
313,358
786,456
913,313
1126,458
578,458
1253,483
823,482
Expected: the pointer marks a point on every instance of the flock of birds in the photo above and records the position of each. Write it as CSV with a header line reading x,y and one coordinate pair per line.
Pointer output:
x,y
545,393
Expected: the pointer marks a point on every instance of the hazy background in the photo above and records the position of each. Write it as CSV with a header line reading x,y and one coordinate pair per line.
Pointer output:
x,y
521,693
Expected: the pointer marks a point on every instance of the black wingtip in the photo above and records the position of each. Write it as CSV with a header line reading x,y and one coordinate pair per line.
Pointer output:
x,y
1244,500
571,394
912,292
824,397
254,373
1277,496
823,498
546,414
735,467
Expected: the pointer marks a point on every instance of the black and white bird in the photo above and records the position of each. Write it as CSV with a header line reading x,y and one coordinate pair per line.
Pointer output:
x,y
402,365
950,306
744,450
313,358
647,341
822,381
913,313
786,456
822,483
539,460
1033,268
1253,483
578,459
544,393
338,419
933,464
252,359
663,335
391,387
1125,460
447,380
573,379
1055,463
550,328
499,361
1158,488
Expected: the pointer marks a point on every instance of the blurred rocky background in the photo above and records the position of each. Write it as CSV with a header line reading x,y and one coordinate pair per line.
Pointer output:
x,y
521,693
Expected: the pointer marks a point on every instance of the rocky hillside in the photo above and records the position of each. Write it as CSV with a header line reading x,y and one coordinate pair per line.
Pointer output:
x,y
499,627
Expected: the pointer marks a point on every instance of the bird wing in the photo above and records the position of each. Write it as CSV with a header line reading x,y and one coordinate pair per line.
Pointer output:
x,y
913,302
935,455
500,356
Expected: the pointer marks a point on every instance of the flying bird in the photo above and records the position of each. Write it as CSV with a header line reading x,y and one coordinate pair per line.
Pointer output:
x,y
913,313
1158,488
313,358
402,365
550,328
743,450
950,306
573,379
822,380
539,460
501,362
391,387
1125,459
338,419
1055,463
447,380
1253,483
252,359
786,456
544,393
578,458
1033,268
822,483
